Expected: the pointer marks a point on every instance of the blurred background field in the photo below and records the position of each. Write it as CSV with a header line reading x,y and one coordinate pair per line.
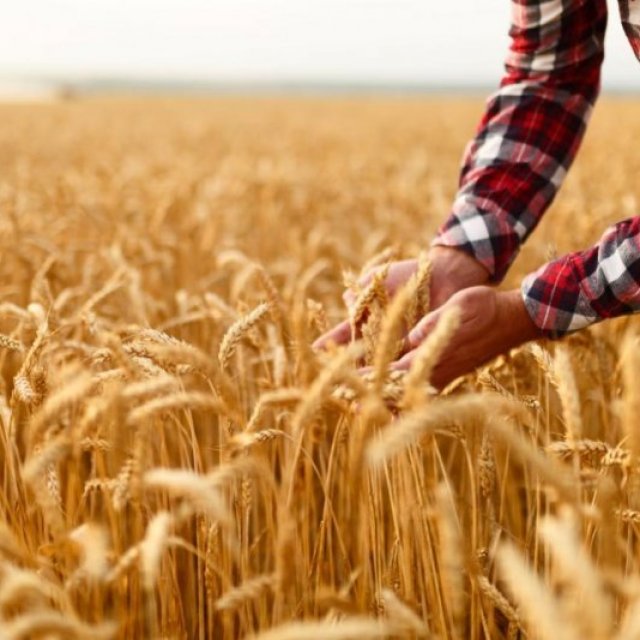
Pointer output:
x,y
272,175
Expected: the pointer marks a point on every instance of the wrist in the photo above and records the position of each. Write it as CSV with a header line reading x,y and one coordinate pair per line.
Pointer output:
x,y
515,320
456,270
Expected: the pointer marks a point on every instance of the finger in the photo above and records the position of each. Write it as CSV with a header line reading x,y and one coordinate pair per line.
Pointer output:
x,y
340,334
440,376
422,329
404,363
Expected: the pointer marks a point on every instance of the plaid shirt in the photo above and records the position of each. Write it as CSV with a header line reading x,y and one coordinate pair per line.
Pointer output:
x,y
524,146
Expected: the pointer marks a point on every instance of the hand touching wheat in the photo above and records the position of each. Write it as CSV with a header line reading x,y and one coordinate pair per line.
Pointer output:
x,y
491,322
452,270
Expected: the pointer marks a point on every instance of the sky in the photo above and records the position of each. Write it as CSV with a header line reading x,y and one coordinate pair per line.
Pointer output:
x,y
454,42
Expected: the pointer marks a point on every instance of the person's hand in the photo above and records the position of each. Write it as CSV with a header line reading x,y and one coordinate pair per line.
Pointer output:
x,y
451,271
491,323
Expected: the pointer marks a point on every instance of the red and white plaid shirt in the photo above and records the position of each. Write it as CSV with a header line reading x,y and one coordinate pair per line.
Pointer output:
x,y
523,148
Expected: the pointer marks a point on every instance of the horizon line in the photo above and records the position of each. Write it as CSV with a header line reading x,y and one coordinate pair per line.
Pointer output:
x,y
109,83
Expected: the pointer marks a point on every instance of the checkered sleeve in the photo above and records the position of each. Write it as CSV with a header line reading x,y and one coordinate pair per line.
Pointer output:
x,y
531,129
588,286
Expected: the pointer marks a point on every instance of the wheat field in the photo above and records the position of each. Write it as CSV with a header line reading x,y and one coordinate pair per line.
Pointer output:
x,y
177,462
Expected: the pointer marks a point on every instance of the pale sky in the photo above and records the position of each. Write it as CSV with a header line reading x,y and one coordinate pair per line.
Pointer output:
x,y
367,41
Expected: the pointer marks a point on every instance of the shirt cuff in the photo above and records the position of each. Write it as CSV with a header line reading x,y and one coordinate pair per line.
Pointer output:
x,y
486,237
554,299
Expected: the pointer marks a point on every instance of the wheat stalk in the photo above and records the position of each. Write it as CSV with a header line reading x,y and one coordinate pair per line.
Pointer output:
x,y
249,590
590,604
7,342
428,354
536,602
569,395
402,616
153,547
45,623
188,400
237,331
354,628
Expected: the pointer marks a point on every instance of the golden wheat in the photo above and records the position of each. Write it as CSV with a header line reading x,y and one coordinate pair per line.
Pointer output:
x,y
179,463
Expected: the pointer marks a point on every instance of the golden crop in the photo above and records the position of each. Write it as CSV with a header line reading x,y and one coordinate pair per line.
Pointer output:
x,y
178,463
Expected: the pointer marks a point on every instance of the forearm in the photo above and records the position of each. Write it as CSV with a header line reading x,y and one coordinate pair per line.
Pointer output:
x,y
530,132
586,287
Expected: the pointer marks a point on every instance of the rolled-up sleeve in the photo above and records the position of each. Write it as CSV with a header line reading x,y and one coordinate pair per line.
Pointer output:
x,y
531,130
585,287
